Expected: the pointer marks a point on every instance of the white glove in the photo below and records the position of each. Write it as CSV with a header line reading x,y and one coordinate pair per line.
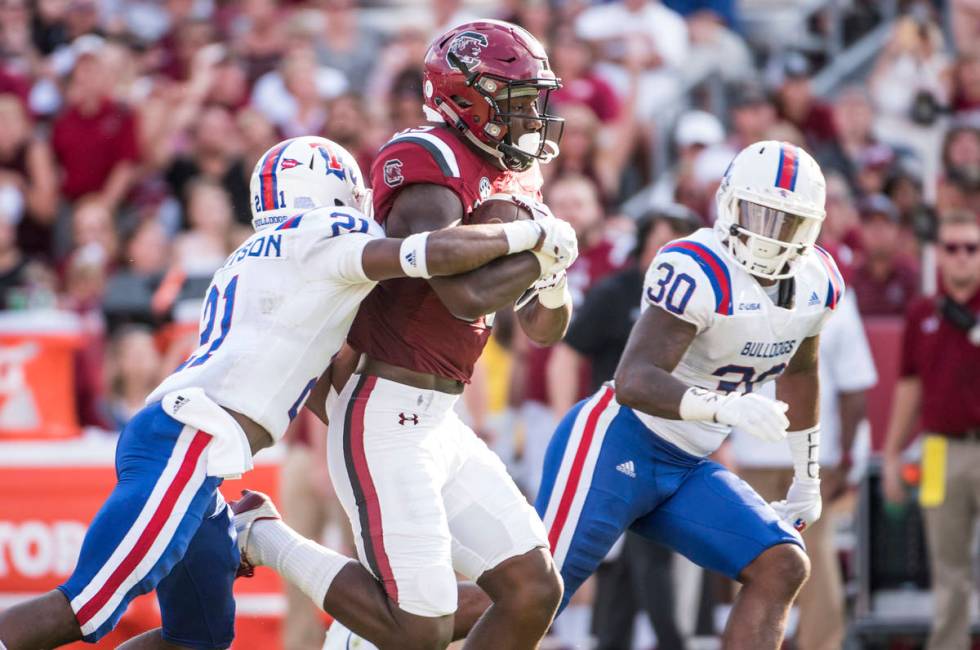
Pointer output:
x,y
802,505
560,246
539,209
762,417
551,291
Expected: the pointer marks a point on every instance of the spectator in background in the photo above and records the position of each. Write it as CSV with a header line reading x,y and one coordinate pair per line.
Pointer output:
x,y
965,24
84,288
130,289
24,283
92,225
214,155
883,281
401,55
853,124
572,58
940,372
346,44
841,230
90,116
966,84
874,165
26,162
258,135
715,48
293,96
350,125
211,238
259,36
959,185
798,105
753,115
847,372
134,370
641,31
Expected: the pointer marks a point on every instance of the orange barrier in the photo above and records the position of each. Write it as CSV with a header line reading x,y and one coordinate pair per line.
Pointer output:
x,y
49,491
37,395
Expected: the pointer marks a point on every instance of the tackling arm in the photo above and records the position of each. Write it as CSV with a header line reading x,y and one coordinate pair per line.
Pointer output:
x,y
486,289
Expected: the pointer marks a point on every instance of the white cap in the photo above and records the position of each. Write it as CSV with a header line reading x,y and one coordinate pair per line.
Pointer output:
x,y
698,127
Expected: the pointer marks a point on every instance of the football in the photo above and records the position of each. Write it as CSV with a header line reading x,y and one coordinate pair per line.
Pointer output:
x,y
496,211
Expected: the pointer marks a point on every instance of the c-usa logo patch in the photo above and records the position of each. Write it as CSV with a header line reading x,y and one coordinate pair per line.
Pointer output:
x,y
393,173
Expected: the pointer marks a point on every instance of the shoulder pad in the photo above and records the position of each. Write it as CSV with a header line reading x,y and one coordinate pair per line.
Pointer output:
x,y
335,221
835,281
414,155
691,281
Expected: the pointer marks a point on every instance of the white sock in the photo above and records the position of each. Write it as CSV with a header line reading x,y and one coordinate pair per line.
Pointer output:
x,y
301,561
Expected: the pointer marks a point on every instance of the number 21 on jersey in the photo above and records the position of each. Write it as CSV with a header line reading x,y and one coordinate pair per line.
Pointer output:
x,y
208,318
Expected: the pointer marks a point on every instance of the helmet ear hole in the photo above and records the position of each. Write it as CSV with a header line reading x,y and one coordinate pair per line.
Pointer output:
x,y
338,203
462,102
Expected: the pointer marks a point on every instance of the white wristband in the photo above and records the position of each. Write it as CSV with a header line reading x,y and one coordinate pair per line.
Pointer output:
x,y
521,235
412,255
804,447
700,404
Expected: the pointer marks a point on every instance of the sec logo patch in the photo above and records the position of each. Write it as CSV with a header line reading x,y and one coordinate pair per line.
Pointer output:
x,y
393,173
484,187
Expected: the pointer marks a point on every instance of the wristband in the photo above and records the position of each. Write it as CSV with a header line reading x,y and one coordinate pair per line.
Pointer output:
x,y
700,404
521,235
804,447
412,255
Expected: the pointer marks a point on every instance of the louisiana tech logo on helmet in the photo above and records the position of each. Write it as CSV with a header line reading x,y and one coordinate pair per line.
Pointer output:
x,y
468,46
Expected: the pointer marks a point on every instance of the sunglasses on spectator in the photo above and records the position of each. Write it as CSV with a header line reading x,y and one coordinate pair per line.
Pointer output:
x,y
970,248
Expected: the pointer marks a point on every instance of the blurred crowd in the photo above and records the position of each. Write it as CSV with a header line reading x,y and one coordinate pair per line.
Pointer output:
x,y
129,128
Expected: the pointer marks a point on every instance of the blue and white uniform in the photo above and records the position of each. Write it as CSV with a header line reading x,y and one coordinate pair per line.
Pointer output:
x,y
275,314
610,468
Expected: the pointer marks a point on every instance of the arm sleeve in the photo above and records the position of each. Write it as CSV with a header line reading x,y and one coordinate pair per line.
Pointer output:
x,y
337,258
677,283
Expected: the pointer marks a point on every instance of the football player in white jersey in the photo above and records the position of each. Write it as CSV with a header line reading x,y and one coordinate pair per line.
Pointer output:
x,y
725,310
275,314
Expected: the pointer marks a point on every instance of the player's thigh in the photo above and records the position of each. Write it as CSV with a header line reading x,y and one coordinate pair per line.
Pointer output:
x,y
389,479
596,480
717,520
197,605
489,519
146,524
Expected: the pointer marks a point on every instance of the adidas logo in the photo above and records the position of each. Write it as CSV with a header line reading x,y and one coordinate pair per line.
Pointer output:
x,y
179,402
410,260
627,468
814,299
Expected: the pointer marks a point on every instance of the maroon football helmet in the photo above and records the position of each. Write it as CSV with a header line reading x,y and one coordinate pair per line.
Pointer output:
x,y
472,69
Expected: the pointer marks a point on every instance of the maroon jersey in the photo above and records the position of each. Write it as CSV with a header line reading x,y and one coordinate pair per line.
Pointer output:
x,y
403,322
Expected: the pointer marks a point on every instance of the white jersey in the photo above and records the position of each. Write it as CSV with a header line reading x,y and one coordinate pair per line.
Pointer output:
x,y
275,314
743,338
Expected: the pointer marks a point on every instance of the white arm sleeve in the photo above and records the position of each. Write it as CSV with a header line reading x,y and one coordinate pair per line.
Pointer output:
x,y
676,283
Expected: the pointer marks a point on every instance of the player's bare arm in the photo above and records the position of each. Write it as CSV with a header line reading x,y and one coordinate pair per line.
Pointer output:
x,y
544,325
452,251
643,379
493,286
799,386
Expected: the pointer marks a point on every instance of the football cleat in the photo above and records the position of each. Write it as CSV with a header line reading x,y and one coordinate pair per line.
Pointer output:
x,y
252,507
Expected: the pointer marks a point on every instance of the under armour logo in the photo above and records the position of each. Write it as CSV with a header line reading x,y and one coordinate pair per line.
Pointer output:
x,y
413,418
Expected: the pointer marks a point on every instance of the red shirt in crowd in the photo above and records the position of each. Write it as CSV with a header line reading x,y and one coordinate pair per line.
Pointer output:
x,y
888,296
593,264
948,366
592,91
90,146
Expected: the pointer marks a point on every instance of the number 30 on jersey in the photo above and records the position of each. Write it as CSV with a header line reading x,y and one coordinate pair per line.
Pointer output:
x,y
672,290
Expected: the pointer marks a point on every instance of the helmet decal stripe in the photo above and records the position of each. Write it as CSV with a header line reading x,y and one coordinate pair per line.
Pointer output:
x,y
714,268
789,167
290,223
268,191
835,283
275,179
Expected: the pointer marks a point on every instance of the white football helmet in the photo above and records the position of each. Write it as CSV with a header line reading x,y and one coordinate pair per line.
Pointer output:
x,y
770,208
300,174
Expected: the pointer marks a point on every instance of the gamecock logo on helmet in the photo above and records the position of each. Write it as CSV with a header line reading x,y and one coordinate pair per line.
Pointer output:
x,y
393,172
468,46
